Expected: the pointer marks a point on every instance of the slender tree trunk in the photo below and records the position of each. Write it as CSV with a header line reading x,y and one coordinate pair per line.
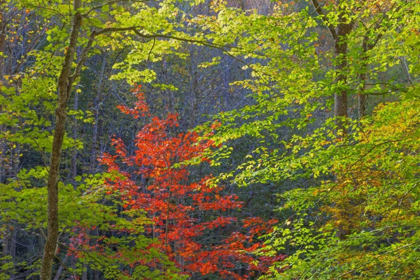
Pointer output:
x,y
65,83
367,45
2,36
193,86
2,81
361,98
5,247
85,272
13,252
96,275
9,238
61,268
97,101
226,87
406,69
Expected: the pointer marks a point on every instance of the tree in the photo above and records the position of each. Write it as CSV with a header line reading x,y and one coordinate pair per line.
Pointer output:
x,y
88,22
297,147
347,19
307,68
184,215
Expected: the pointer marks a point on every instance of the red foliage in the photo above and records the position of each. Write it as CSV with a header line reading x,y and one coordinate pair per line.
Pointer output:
x,y
191,220
140,107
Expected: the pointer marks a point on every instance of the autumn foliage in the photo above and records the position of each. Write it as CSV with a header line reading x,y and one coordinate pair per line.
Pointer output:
x,y
192,221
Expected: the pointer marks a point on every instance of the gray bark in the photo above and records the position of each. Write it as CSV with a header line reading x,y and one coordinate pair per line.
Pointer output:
x,y
97,102
60,269
2,81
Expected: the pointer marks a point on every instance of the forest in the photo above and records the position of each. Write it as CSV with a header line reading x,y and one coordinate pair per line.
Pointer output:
x,y
209,139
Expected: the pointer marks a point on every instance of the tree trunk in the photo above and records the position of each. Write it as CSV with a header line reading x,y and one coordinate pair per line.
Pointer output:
x,y
97,107
5,247
65,83
2,81
344,28
85,272
361,98
13,252
339,32
2,37
61,268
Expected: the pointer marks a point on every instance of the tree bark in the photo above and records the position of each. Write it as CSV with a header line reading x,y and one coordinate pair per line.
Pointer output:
x,y
344,28
2,36
339,33
5,247
97,107
65,83
61,268
361,97
2,48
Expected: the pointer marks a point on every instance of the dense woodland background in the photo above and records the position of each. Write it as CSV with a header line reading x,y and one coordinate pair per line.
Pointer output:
x,y
209,139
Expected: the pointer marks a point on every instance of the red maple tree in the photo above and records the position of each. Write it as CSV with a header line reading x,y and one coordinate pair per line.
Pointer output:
x,y
190,219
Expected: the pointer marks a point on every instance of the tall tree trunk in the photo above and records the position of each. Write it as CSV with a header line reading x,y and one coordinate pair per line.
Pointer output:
x,y
339,32
193,86
85,272
367,45
5,247
344,28
2,81
13,252
65,83
61,268
361,97
97,105
2,37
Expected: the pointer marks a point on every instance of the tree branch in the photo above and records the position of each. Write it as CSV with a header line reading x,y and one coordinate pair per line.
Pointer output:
x,y
320,12
108,3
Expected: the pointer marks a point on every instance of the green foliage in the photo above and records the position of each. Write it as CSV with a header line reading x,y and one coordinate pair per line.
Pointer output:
x,y
350,200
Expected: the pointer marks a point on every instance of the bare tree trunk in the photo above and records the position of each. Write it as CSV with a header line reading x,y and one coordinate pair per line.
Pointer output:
x,y
9,238
61,268
2,48
13,252
5,247
85,272
193,86
96,275
2,37
97,102
65,83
